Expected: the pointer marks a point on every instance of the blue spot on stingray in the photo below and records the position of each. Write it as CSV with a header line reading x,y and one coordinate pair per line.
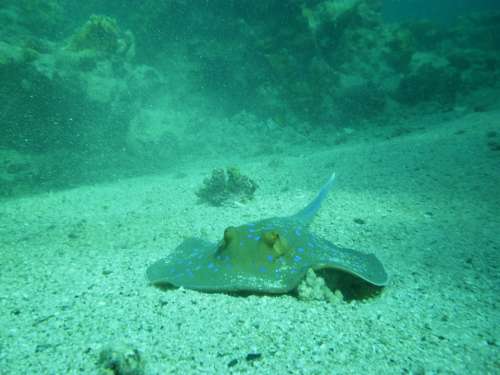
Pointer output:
x,y
262,269
270,258
213,267
300,249
297,258
297,231
255,238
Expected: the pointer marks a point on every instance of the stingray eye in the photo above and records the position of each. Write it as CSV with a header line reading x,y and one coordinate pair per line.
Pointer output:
x,y
229,233
271,237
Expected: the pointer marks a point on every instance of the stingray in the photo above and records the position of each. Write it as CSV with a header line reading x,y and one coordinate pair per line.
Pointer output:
x,y
267,256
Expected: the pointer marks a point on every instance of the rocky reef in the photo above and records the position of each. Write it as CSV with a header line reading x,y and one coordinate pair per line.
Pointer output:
x,y
106,87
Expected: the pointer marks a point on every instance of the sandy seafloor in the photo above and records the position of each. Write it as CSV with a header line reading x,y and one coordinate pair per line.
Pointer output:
x,y
72,273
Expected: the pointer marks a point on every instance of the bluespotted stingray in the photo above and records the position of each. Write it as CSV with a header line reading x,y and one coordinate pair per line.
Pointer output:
x,y
267,256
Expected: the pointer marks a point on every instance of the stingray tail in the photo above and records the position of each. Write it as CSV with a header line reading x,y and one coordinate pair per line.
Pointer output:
x,y
306,215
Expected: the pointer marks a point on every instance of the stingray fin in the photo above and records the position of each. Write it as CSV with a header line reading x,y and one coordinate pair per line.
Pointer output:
x,y
305,215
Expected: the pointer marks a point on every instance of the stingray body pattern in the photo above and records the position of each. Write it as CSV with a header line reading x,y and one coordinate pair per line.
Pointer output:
x,y
269,256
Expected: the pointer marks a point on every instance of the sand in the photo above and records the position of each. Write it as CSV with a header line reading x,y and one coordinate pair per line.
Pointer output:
x,y
72,272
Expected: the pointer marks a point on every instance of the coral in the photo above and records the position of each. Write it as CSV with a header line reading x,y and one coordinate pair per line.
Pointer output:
x,y
100,34
217,189
214,188
314,288
122,360
240,185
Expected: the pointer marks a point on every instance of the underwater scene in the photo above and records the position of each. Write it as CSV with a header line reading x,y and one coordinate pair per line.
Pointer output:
x,y
250,187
